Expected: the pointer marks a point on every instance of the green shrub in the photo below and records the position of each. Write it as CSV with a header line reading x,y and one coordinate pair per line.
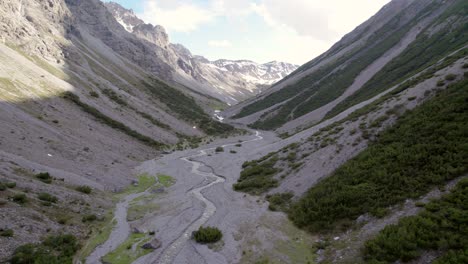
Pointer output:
x,y
20,198
279,201
465,66
7,232
424,149
84,189
450,77
440,83
441,226
47,197
412,98
44,177
257,175
10,185
238,145
232,151
94,94
207,234
219,149
2,186
89,218
53,250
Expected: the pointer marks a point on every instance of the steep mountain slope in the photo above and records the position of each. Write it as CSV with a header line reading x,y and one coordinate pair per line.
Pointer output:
x,y
400,40
81,100
230,81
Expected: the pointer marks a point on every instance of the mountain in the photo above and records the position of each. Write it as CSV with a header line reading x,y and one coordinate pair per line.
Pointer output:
x,y
403,38
111,150
230,81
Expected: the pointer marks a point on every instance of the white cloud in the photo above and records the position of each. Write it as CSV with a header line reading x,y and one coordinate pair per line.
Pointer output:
x,y
321,20
220,43
175,16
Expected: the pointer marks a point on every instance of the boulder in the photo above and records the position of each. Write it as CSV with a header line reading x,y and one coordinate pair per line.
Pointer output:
x,y
154,244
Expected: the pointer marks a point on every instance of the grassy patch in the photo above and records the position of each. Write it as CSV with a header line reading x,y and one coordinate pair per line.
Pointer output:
x,y
124,254
166,180
145,181
100,235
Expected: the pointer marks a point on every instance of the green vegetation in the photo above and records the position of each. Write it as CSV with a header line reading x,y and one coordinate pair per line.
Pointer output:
x,y
84,189
111,122
424,51
20,198
145,181
94,94
89,218
166,180
5,185
44,177
153,120
232,151
185,107
7,232
257,175
125,253
441,226
425,148
207,234
53,250
219,149
48,198
279,201
450,77
114,97
100,235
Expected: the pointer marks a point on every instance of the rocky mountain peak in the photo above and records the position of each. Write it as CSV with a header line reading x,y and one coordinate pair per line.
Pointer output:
x,y
126,17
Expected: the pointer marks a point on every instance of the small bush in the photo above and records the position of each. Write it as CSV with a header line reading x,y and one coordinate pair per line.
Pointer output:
x,y
94,94
47,197
84,189
279,201
232,151
440,83
412,98
20,198
89,218
219,149
207,235
44,177
238,145
10,185
465,66
450,77
6,232
2,186
54,249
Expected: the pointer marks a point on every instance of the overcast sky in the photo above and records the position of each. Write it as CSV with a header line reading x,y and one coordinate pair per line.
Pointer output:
x,y
293,31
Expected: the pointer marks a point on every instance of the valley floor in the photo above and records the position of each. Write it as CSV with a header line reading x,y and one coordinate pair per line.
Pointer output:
x,y
203,195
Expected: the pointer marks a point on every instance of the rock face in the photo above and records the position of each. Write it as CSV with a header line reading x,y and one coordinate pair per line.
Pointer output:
x,y
228,80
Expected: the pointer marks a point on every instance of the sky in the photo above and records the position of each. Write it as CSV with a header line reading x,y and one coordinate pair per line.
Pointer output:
x,y
293,31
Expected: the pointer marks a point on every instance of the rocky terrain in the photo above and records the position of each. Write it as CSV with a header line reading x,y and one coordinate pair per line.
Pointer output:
x,y
228,80
111,152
